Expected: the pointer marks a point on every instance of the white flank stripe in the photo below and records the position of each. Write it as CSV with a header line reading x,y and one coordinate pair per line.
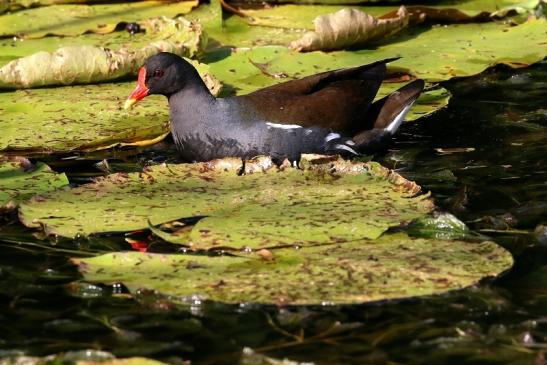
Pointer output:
x,y
347,148
393,126
331,136
283,126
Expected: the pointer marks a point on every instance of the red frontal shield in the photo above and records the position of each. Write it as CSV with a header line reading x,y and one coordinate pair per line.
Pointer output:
x,y
140,91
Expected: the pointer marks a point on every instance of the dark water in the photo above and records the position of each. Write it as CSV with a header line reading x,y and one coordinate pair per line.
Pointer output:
x,y
483,158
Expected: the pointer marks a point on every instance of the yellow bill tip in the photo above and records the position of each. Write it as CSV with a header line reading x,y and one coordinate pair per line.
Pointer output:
x,y
129,103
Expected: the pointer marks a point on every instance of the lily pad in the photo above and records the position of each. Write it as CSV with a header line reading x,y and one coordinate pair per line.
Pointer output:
x,y
75,19
21,180
85,117
291,16
80,64
14,48
391,267
364,198
435,54
350,28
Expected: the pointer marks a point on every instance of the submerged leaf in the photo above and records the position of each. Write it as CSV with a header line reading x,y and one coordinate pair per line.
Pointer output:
x,y
349,28
348,200
391,267
88,64
20,179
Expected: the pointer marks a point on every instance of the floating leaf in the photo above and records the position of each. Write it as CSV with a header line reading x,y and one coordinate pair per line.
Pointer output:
x,y
14,5
292,16
435,54
87,64
349,28
443,226
81,117
365,198
20,180
391,267
72,20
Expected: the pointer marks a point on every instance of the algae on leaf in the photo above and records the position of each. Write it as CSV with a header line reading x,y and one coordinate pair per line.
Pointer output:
x,y
20,180
393,266
365,199
349,28
87,64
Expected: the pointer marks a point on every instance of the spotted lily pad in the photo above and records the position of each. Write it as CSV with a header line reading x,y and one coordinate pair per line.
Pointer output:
x,y
391,267
76,19
20,180
82,64
86,117
291,16
153,30
364,199
434,54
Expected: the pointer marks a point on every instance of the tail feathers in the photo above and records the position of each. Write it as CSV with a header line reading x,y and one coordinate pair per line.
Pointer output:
x,y
388,114
390,111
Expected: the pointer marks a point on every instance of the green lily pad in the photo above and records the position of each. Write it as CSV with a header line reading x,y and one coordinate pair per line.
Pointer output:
x,y
293,16
364,198
435,54
82,64
157,29
72,20
86,117
393,266
21,180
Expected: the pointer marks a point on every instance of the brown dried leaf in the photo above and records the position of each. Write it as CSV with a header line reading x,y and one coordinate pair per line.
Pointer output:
x,y
348,28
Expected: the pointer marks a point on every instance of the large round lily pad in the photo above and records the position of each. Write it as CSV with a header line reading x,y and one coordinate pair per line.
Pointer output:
x,y
87,63
20,180
83,117
329,200
391,267
434,53
75,19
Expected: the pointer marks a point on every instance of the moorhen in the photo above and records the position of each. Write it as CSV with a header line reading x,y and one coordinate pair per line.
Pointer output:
x,y
327,113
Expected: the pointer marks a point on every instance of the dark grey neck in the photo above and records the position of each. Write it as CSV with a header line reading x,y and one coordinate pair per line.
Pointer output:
x,y
193,91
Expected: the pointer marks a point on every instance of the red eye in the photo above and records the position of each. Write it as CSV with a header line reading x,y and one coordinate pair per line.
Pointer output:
x,y
158,73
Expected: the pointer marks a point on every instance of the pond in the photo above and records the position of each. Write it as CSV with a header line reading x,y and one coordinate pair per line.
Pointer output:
x,y
483,159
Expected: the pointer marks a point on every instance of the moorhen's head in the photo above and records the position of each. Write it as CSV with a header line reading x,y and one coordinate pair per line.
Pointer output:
x,y
165,74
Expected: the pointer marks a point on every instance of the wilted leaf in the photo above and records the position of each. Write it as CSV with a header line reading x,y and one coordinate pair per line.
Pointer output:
x,y
291,16
80,117
349,28
20,179
88,64
392,266
364,198
72,20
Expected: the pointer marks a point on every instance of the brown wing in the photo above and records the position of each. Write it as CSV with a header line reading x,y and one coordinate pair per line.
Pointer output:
x,y
335,99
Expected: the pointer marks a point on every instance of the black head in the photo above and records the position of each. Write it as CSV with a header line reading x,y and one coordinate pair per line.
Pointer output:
x,y
165,74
